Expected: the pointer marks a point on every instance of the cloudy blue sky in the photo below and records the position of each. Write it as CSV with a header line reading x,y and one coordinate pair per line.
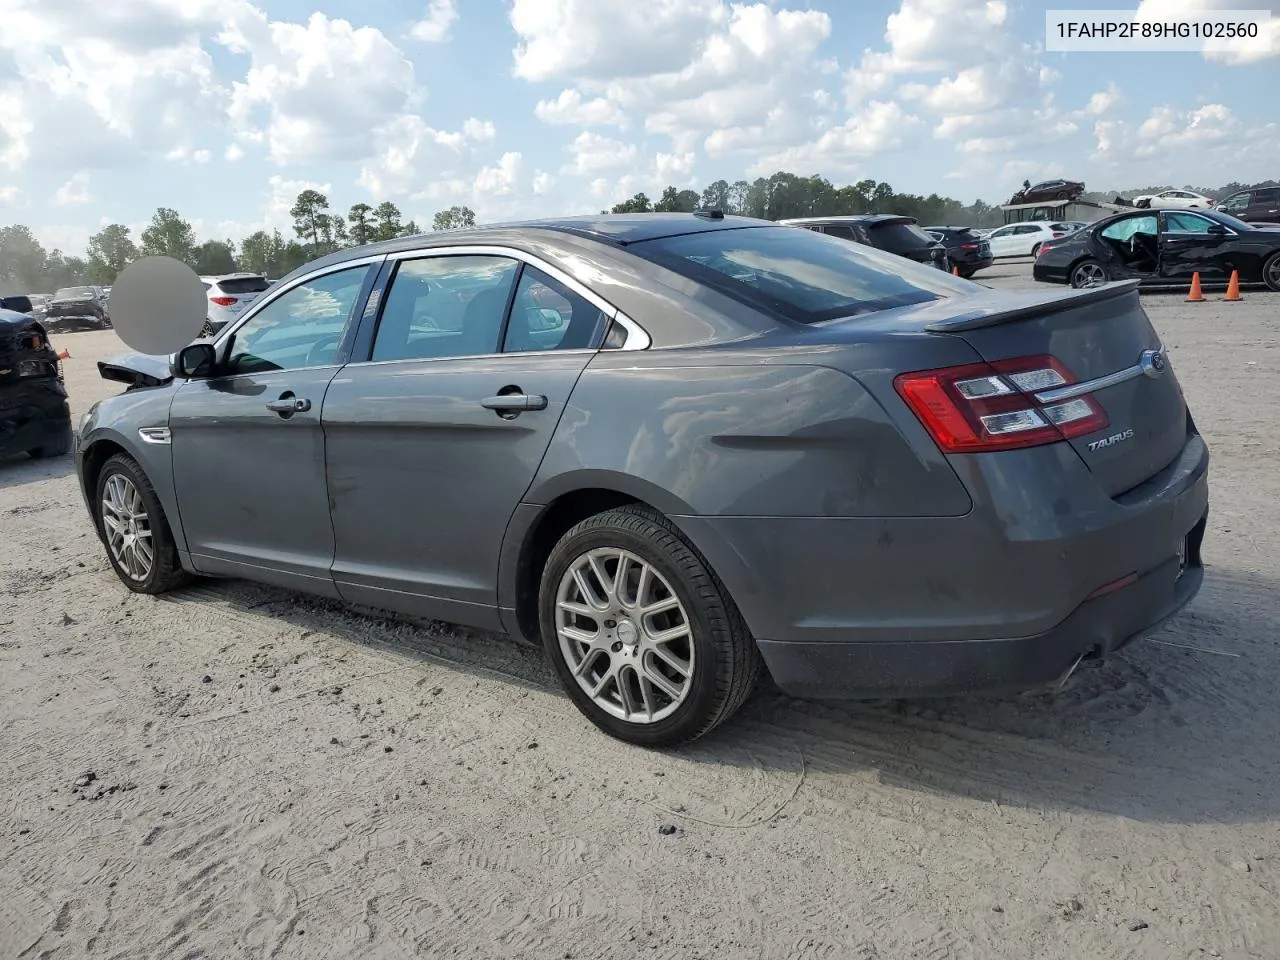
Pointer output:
x,y
225,109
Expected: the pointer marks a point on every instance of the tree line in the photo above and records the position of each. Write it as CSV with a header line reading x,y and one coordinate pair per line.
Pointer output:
x,y
26,267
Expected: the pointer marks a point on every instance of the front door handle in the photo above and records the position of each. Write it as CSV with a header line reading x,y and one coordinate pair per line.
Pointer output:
x,y
514,402
289,405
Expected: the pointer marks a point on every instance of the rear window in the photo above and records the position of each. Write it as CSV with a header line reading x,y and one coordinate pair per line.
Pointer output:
x,y
799,275
900,237
244,285
74,293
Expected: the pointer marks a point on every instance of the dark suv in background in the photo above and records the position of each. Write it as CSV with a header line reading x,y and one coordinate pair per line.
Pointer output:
x,y
967,251
1256,205
884,231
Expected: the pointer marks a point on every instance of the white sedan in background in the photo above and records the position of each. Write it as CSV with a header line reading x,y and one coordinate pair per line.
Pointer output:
x,y
1174,200
1024,239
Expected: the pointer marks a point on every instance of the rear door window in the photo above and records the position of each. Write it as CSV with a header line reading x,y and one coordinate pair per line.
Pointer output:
x,y
799,276
547,315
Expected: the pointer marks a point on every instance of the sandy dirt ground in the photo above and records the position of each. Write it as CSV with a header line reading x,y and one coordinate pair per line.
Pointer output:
x,y
234,771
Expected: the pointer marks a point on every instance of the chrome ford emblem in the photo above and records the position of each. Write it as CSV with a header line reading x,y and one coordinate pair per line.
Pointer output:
x,y
1152,362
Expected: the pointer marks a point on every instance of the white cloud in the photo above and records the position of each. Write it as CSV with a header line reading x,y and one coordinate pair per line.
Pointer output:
x,y
439,20
1187,145
692,68
882,126
607,38
675,167
499,180
408,153
570,108
11,196
74,191
233,153
1104,101
593,153
129,82
1171,9
315,91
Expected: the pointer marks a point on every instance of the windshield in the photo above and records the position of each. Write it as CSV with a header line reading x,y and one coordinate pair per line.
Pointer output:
x,y
799,275
74,293
1232,222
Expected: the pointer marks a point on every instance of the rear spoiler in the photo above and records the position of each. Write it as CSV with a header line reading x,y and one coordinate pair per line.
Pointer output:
x,y
994,316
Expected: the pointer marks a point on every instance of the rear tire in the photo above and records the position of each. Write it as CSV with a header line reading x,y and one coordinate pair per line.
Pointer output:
x,y
967,274
653,693
1088,273
1035,250
1271,272
128,514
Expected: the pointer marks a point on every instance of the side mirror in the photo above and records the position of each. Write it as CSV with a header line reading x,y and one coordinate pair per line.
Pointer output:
x,y
18,304
194,361
1217,230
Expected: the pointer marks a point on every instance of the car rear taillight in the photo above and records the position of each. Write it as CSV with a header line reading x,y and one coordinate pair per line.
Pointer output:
x,y
992,406
222,301
1057,234
1040,250
968,246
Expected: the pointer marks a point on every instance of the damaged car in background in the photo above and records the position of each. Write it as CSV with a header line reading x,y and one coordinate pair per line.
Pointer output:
x,y
35,417
675,450
74,309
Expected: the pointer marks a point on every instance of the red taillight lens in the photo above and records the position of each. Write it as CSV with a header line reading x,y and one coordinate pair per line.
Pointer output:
x,y
1057,234
222,301
968,246
992,406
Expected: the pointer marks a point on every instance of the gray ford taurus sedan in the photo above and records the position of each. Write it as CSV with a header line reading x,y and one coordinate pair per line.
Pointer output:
x,y
675,450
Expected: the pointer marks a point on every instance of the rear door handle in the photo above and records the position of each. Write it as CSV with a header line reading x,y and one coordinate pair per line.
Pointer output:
x,y
510,402
289,405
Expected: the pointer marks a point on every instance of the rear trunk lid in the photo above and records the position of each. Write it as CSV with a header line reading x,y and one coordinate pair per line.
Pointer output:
x,y
244,290
1104,338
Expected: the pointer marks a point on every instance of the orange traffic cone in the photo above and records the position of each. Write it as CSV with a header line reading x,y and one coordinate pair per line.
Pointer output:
x,y
1195,295
1233,287
64,355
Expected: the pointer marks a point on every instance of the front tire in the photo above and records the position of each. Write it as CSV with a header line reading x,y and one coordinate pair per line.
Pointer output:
x,y
642,634
1271,272
133,526
1088,273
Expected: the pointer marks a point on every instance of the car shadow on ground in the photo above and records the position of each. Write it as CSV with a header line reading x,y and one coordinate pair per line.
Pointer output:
x,y
20,469
1176,729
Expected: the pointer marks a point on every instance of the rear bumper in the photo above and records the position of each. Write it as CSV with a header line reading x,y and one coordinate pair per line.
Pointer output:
x,y
993,600
1096,628
1047,274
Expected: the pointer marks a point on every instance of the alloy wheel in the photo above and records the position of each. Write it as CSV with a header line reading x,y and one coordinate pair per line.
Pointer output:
x,y
127,527
1089,275
1272,276
625,636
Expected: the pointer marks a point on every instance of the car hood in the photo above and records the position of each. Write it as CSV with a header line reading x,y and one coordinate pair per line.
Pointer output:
x,y
138,369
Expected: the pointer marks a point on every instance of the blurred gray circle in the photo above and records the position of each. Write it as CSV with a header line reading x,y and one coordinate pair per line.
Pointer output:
x,y
158,305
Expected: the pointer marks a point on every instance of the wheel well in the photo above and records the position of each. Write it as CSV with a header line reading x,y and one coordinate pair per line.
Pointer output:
x,y
555,521
97,454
